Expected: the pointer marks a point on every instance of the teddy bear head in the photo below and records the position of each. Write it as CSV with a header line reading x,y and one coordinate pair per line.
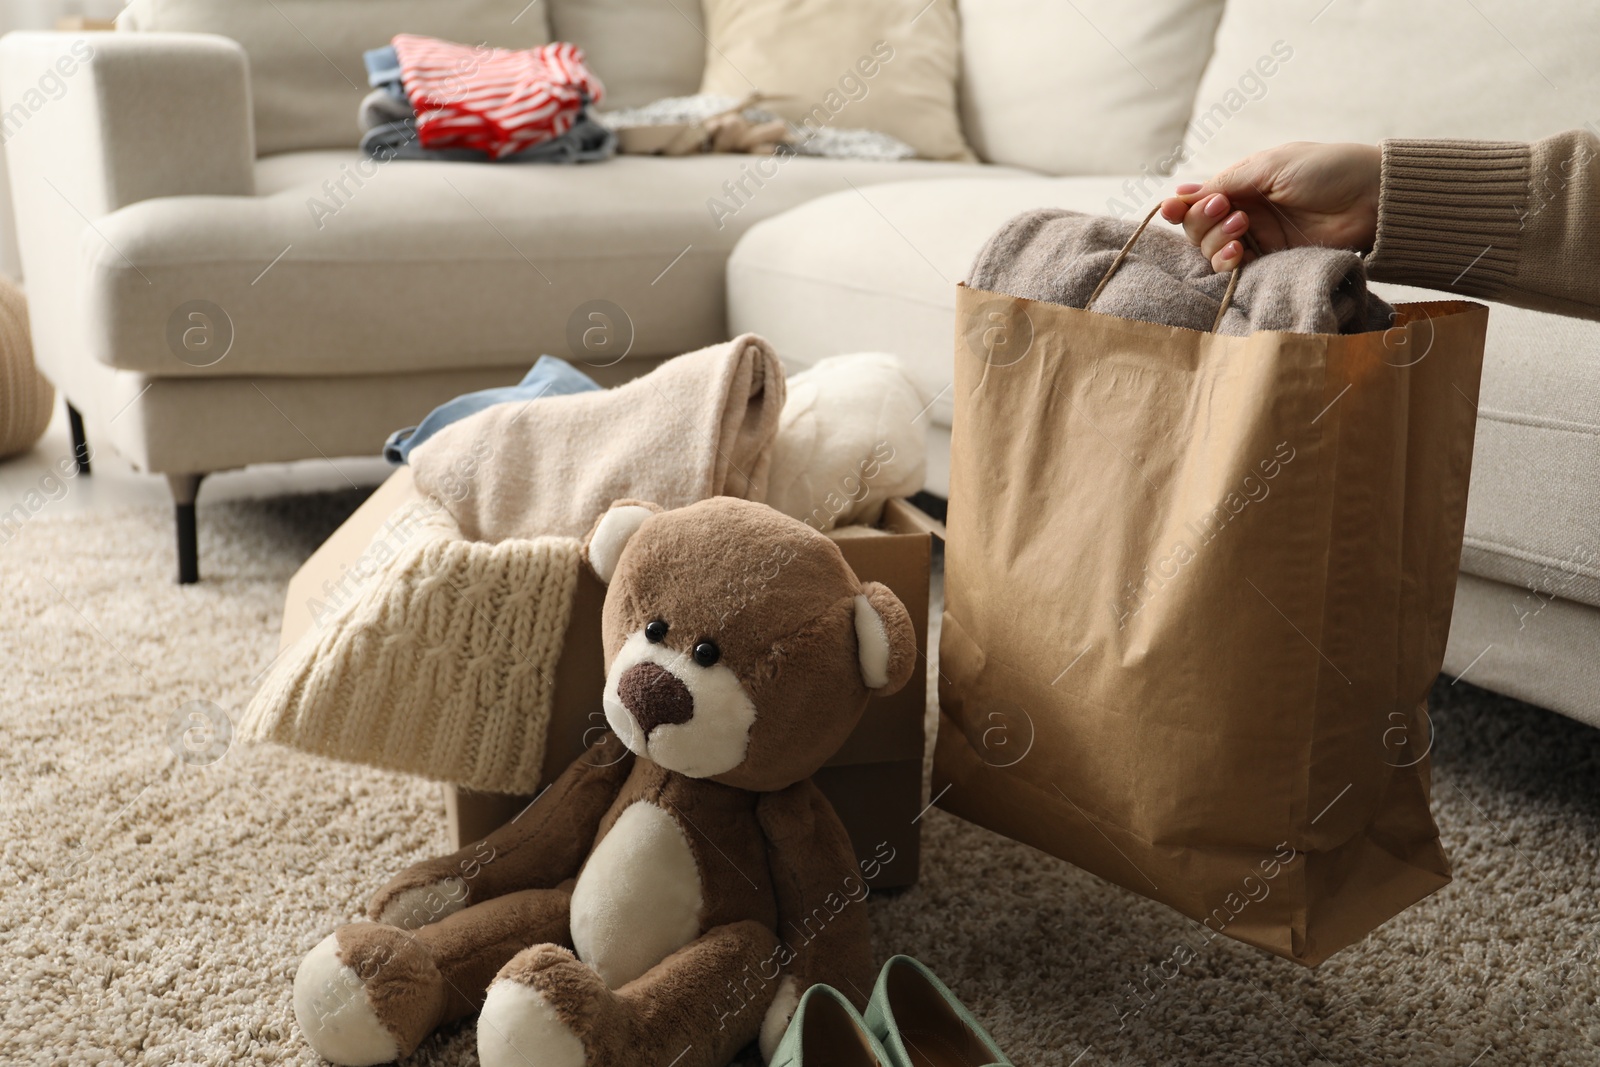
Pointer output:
x,y
739,645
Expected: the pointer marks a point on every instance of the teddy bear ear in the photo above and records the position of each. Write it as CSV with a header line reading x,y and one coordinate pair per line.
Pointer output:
x,y
603,547
885,639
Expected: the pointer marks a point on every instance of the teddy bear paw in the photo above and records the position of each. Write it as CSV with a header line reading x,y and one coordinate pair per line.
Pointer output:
x,y
367,994
540,1010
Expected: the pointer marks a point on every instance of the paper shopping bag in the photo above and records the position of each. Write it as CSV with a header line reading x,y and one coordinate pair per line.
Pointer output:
x,y
1197,589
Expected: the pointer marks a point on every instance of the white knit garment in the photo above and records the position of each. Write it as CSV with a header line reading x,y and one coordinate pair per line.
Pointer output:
x,y
443,665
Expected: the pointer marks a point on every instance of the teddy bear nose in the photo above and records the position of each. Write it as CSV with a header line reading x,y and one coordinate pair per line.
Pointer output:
x,y
654,696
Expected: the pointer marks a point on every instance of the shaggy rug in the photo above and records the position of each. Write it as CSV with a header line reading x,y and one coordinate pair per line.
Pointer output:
x,y
154,906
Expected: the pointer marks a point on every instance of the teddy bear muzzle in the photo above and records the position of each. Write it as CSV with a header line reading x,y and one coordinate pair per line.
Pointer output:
x,y
654,696
674,710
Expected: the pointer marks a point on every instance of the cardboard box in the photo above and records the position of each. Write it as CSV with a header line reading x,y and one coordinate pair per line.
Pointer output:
x,y
875,780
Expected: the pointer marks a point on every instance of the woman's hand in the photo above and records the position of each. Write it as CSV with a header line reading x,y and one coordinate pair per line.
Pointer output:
x,y
1296,194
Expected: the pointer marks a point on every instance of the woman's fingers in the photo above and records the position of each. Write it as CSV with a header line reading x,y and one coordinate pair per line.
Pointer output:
x,y
1174,208
1231,228
1227,257
1203,216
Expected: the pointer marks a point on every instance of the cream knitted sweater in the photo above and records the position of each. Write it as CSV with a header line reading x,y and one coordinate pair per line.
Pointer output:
x,y
1517,223
443,666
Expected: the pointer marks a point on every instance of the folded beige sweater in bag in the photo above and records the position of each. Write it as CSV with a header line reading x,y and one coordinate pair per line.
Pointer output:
x,y
700,425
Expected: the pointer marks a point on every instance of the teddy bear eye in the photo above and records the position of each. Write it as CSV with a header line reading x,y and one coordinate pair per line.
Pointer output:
x,y
655,632
706,653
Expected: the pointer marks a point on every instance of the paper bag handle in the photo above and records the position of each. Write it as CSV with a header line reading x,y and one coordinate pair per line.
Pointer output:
x,y
1227,297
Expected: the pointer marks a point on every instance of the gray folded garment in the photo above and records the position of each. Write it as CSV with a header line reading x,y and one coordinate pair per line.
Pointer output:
x,y
384,105
1060,256
585,142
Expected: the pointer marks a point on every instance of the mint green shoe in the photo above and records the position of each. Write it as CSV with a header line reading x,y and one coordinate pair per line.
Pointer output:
x,y
922,1024
827,1031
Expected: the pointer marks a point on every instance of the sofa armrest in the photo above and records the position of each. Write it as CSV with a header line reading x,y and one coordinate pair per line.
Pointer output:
x,y
114,118
93,123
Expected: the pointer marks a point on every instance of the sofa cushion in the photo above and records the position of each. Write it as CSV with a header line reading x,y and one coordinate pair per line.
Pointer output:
x,y
306,74
1533,512
643,50
877,270
888,65
1494,69
343,266
1092,87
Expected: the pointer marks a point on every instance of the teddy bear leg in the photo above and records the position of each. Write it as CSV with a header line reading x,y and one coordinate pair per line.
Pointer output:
x,y
370,993
696,1008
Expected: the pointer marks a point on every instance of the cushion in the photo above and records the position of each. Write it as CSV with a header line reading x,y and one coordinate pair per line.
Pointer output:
x,y
1550,662
643,50
320,274
306,74
889,65
1533,511
1493,69
1092,87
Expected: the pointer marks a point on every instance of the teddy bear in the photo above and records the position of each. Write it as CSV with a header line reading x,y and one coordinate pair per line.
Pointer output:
x,y
669,896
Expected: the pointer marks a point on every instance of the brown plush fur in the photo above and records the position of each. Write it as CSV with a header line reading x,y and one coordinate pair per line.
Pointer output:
x,y
780,894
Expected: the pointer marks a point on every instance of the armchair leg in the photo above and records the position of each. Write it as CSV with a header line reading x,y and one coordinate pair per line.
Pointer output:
x,y
185,487
80,443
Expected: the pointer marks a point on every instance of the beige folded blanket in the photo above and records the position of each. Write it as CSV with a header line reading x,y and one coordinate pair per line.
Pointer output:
x,y
700,425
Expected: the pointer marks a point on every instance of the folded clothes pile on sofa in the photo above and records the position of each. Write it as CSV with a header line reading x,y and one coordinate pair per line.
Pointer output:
x,y
434,99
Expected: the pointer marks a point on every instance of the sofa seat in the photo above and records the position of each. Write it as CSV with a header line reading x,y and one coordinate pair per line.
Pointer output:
x,y
878,271
341,266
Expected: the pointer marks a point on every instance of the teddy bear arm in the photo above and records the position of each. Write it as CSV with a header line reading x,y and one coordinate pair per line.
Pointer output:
x,y
539,849
822,911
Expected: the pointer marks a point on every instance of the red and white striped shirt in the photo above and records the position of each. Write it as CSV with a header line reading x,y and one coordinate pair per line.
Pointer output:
x,y
495,100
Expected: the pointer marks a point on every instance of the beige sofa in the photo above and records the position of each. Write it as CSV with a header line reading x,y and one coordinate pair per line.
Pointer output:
x,y
176,168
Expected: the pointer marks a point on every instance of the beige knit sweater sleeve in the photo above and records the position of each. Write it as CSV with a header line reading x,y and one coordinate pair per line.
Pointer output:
x,y
1517,223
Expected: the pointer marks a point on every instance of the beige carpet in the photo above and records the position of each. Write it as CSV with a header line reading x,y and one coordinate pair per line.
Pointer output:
x,y
153,910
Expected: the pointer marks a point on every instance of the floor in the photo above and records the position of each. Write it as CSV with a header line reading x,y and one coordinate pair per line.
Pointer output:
x,y
115,484
154,906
